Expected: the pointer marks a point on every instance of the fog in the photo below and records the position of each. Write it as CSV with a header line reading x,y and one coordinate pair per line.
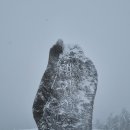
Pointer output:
x,y
28,28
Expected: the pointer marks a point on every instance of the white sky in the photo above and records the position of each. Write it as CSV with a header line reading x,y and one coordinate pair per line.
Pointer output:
x,y
28,28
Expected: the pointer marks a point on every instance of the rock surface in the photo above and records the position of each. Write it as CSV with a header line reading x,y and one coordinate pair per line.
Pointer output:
x,y
65,98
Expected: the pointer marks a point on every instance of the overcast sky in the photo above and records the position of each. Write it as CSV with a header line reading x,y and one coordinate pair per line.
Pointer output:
x,y
28,28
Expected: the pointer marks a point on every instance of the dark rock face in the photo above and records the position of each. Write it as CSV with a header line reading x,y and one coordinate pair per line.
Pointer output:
x,y
65,98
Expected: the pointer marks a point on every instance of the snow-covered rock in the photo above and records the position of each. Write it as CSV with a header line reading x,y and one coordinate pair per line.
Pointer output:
x,y
64,100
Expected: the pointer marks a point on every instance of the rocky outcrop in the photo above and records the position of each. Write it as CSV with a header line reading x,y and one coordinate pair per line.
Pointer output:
x,y
65,98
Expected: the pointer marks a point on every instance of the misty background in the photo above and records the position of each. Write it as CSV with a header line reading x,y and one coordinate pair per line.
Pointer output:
x,y
28,28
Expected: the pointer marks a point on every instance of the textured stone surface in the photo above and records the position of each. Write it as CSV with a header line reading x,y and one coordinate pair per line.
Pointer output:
x,y
64,100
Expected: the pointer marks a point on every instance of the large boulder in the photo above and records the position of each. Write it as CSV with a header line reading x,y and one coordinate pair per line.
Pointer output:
x,y
65,97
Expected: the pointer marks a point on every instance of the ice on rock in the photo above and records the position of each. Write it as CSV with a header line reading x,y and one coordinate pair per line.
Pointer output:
x,y
64,100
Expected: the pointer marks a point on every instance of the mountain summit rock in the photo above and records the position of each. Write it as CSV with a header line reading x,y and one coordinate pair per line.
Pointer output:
x,y
65,97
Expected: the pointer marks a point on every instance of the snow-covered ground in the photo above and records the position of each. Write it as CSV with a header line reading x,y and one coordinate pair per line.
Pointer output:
x,y
30,129
37,129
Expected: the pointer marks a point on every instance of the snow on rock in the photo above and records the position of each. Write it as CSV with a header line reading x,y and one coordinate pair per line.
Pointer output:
x,y
64,100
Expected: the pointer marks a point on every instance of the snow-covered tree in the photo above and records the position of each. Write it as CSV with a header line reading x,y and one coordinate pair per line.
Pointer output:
x,y
116,122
